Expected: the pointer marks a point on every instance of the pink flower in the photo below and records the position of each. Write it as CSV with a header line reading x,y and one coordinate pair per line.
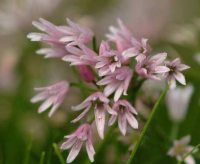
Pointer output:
x,y
80,55
75,141
108,60
117,82
174,73
53,96
138,49
86,73
151,67
100,104
58,37
125,112
121,36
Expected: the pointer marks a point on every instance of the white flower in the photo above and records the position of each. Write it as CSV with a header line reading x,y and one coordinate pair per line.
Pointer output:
x,y
177,101
180,148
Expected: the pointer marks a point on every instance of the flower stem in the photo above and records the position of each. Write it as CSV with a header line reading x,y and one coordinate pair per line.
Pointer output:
x,y
94,44
174,131
155,108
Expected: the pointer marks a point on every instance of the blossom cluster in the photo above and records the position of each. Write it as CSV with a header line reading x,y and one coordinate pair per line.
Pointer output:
x,y
119,62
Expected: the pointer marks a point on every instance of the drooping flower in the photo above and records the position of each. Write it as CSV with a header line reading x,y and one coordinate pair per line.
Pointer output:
x,y
117,82
177,101
151,67
52,95
174,73
180,148
80,55
59,36
86,73
75,141
108,60
125,112
99,102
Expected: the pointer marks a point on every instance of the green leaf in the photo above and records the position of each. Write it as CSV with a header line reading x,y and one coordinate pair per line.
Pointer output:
x,y
146,128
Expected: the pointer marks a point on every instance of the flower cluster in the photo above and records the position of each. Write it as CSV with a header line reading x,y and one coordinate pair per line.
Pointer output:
x,y
112,71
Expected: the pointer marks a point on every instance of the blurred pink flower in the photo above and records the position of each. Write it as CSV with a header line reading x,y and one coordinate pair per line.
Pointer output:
x,y
120,35
117,82
53,96
174,73
75,33
100,104
151,67
75,141
108,60
86,73
59,37
125,112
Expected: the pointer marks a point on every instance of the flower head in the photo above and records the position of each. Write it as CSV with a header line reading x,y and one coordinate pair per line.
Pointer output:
x,y
100,105
75,141
53,96
125,112
108,60
151,67
174,73
180,148
117,82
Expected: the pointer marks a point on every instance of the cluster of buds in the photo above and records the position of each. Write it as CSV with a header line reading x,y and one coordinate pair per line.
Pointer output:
x,y
111,69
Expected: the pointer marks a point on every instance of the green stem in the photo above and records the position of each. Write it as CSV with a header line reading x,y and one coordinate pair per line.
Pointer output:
x,y
174,131
42,157
189,153
58,153
146,126
94,44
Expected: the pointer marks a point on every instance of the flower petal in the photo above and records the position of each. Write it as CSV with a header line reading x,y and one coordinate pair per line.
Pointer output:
x,y
90,150
131,120
74,151
122,123
180,77
112,120
100,121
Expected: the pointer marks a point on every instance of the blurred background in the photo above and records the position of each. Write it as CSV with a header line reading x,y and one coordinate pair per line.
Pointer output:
x,y
171,25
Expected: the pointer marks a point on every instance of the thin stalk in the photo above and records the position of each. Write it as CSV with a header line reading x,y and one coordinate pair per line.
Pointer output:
x,y
146,126
58,153
94,44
